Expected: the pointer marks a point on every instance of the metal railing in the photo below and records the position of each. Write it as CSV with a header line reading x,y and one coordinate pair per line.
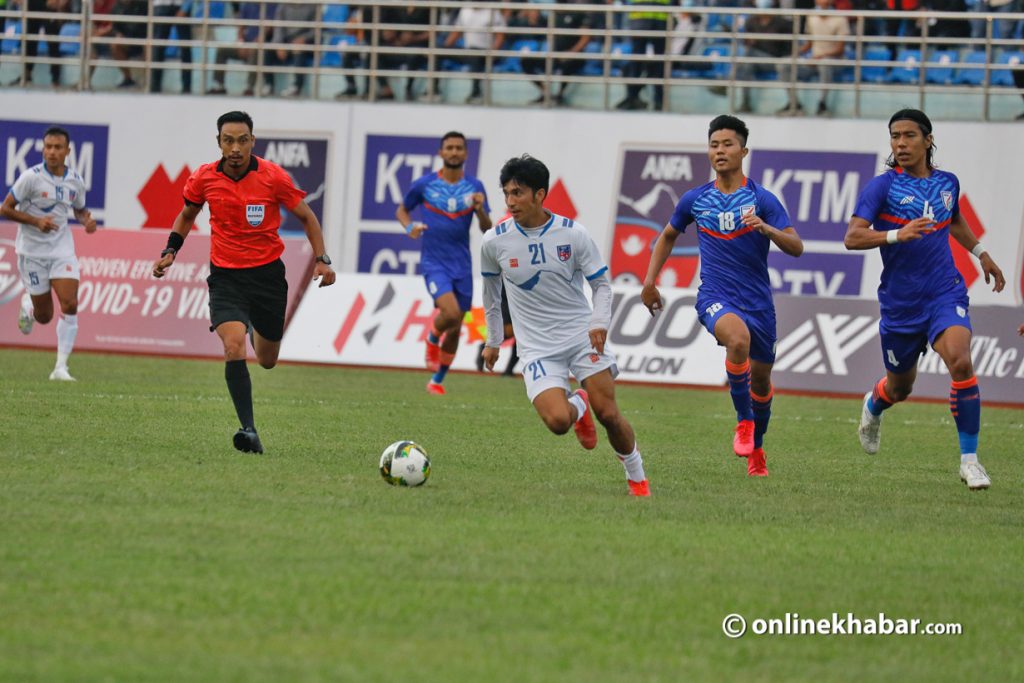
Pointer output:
x,y
983,65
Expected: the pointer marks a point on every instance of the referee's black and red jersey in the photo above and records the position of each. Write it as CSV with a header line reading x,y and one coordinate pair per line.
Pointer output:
x,y
245,214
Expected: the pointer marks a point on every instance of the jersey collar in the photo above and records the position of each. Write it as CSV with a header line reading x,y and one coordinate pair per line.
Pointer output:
x,y
253,166
47,169
543,228
742,184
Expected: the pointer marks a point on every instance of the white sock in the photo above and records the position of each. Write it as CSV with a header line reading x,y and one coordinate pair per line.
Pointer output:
x,y
26,304
968,457
581,406
67,330
634,465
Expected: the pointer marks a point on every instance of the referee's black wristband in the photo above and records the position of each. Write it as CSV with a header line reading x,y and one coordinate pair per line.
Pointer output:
x,y
175,242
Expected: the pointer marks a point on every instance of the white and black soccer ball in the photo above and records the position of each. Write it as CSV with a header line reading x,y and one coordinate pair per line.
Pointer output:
x,y
405,463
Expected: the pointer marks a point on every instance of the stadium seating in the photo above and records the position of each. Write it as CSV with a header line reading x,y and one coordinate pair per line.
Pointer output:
x,y
1004,77
942,74
874,73
972,75
11,43
909,70
718,62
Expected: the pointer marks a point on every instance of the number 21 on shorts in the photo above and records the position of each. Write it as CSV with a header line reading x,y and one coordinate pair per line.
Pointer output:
x,y
537,368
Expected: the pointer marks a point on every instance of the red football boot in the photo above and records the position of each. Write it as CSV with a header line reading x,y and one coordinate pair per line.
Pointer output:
x,y
743,442
756,465
641,489
586,432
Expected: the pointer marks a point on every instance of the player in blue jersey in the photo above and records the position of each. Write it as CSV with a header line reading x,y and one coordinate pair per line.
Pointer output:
x,y
737,221
543,258
449,200
915,208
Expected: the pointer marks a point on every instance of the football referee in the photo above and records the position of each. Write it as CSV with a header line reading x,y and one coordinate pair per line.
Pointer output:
x,y
248,290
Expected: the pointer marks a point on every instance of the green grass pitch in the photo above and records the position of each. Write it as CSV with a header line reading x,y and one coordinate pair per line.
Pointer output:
x,y
137,545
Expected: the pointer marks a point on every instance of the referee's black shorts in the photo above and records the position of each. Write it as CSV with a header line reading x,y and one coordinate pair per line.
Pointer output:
x,y
250,295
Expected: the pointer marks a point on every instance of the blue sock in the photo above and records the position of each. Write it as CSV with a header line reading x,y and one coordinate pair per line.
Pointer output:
x,y
739,389
965,404
438,377
762,406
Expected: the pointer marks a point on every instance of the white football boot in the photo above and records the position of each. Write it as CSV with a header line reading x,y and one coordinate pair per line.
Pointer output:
x,y
869,428
61,374
975,476
25,319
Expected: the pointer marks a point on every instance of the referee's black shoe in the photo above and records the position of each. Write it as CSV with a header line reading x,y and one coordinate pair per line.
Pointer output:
x,y
248,441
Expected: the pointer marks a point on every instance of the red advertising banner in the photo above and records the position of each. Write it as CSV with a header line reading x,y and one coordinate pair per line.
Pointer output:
x,y
122,307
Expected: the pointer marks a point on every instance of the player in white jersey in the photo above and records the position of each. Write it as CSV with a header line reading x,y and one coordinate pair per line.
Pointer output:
x,y
40,201
543,259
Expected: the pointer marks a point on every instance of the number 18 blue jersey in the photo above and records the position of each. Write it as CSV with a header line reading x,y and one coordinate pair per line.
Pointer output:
x,y
733,257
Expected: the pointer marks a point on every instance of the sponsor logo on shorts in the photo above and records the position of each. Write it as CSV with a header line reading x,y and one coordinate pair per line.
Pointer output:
x,y
254,214
961,311
594,357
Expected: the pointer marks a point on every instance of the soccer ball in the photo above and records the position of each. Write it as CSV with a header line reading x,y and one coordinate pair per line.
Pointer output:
x,y
405,463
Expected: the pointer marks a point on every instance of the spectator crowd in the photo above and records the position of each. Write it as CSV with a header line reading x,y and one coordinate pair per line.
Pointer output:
x,y
656,39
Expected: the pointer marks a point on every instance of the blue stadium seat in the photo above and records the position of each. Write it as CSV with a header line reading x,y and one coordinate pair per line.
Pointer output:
x,y
873,73
623,48
173,51
70,30
11,44
910,69
942,74
217,10
336,14
974,75
333,57
593,67
513,64
719,57
1004,77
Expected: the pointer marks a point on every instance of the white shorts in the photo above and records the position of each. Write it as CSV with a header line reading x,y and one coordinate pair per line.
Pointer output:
x,y
547,372
36,273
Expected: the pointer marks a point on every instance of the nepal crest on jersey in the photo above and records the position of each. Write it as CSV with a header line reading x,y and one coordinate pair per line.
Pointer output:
x,y
254,214
564,252
947,200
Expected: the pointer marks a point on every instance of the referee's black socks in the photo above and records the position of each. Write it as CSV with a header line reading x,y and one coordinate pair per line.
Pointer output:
x,y
236,372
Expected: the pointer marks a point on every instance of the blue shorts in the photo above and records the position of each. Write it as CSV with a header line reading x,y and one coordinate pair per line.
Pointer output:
x,y
902,344
761,325
440,283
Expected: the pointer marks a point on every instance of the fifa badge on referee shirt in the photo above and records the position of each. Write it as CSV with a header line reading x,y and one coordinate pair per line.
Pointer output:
x,y
254,214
